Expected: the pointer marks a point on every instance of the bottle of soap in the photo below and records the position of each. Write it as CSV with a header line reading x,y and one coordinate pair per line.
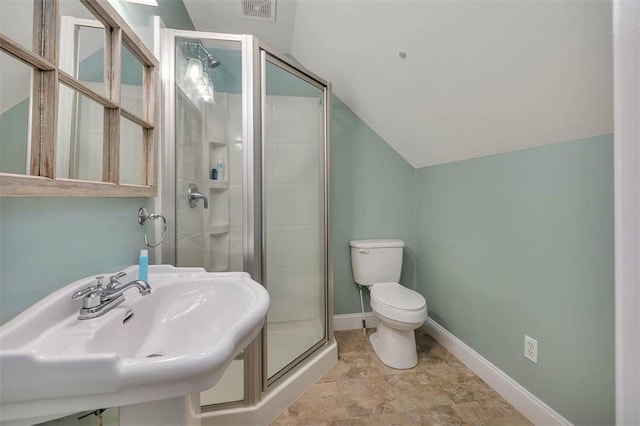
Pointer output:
x,y
143,265
220,169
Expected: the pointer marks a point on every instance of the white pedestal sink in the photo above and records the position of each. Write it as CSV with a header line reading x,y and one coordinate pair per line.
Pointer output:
x,y
178,342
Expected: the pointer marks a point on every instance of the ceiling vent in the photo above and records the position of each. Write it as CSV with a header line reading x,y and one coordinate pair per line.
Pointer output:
x,y
261,10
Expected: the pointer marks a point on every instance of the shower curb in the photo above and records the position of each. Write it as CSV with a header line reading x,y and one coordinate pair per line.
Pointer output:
x,y
279,399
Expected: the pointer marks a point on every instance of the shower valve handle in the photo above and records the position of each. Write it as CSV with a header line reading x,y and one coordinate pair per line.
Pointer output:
x,y
193,195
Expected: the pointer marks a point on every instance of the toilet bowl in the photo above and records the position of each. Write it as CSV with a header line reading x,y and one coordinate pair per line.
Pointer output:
x,y
399,310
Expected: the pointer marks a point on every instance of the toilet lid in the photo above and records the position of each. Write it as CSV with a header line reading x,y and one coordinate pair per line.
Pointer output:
x,y
397,296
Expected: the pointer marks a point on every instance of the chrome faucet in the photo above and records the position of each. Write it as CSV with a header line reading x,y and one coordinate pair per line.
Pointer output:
x,y
98,300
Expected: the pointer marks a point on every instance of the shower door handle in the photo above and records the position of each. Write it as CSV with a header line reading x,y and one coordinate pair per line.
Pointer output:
x,y
193,195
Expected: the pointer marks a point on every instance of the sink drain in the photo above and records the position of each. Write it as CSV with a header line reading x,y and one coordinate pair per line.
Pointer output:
x,y
154,355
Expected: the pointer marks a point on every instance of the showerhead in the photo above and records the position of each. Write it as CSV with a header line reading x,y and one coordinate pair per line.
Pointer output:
x,y
213,62
195,49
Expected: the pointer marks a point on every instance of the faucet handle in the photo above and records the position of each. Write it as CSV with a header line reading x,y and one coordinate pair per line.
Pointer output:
x,y
81,293
113,280
91,296
116,277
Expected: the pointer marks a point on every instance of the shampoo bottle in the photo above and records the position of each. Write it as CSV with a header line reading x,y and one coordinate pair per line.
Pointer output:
x,y
220,169
143,265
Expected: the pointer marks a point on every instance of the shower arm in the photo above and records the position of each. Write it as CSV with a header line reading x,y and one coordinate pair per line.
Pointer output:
x,y
212,61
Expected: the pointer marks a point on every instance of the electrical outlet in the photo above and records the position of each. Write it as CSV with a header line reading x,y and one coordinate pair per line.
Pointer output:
x,y
531,349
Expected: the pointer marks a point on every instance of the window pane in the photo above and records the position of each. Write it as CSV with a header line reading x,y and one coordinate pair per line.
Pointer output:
x,y
83,56
16,21
90,57
132,78
82,40
132,155
15,114
79,151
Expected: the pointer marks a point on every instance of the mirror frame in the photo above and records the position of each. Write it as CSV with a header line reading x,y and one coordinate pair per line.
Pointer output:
x,y
44,60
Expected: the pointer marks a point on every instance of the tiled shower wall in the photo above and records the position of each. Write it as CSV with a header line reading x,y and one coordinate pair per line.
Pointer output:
x,y
189,238
294,229
234,171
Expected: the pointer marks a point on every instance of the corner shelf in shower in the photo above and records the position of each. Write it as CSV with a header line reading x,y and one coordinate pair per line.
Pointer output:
x,y
217,143
218,229
219,184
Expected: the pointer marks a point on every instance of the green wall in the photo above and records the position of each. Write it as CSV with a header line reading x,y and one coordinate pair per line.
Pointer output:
x,y
500,246
46,243
522,243
372,197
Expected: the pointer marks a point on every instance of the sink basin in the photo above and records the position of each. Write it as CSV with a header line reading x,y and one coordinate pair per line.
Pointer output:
x,y
176,341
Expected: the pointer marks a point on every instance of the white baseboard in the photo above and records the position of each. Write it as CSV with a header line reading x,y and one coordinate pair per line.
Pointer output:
x,y
353,321
524,401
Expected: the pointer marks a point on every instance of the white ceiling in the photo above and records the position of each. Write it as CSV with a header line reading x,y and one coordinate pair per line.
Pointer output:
x,y
480,77
225,16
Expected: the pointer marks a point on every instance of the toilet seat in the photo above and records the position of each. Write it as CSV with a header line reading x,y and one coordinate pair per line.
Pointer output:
x,y
398,303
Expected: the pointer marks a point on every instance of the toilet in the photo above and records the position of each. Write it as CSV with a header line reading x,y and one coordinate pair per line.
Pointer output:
x,y
377,265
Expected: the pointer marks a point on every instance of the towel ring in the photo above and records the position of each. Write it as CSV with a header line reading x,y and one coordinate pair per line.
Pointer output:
x,y
143,215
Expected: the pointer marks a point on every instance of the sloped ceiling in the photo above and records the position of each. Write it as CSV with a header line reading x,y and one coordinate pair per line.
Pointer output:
x,y
479,77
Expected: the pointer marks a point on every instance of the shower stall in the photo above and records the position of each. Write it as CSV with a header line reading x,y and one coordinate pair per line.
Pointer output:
x,y
245,187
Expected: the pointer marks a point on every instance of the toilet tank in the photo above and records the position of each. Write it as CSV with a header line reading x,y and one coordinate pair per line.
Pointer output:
x,y
376,261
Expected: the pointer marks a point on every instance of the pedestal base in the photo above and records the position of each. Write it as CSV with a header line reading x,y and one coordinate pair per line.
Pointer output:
x,y
182,411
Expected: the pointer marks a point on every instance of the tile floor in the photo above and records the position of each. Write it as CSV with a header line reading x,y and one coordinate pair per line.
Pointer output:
x,y
361,390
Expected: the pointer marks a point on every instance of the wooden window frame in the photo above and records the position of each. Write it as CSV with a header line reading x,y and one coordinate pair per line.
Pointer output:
x,y
47,75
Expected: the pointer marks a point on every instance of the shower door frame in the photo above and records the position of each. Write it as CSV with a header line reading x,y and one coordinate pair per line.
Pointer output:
x,y
256,383
286,64
251,195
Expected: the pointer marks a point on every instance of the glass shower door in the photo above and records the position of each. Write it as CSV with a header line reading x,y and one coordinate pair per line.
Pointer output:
x,y
294,215
209,169
208,155
256,151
